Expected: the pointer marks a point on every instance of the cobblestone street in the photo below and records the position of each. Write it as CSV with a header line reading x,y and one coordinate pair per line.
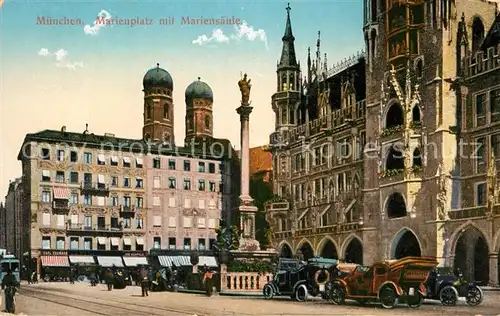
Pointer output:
x,y
81,299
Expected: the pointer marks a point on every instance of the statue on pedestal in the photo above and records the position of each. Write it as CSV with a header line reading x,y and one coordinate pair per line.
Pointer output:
x,y
245,87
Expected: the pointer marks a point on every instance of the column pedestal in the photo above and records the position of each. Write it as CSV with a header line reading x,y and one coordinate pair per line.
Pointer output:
x,y
493,270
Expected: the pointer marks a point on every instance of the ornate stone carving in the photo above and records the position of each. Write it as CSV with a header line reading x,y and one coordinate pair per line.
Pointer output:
x,y
442,192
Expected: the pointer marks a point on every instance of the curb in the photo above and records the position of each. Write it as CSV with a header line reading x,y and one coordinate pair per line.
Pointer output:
x,y
222,293
490,289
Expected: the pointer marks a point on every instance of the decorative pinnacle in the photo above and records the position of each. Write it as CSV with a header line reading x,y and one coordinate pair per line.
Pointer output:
x,y
288,8
199,78
157,65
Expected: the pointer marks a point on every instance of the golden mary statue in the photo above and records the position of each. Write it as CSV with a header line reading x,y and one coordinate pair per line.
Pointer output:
x,y
245,87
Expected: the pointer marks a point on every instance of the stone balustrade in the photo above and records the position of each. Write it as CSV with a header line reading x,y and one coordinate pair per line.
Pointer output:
x,y
244,282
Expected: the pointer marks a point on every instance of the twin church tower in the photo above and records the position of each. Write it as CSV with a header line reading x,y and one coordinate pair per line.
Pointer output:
x,y
159,108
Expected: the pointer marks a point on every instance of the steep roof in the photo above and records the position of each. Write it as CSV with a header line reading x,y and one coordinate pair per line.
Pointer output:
x,y
492,38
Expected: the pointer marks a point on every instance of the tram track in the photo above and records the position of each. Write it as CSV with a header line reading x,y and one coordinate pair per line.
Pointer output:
x,y
100,307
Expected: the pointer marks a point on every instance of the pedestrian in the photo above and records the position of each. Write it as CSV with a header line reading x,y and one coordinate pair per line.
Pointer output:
x,y
9,284
207,280
71,276
34,277
109,277
144,282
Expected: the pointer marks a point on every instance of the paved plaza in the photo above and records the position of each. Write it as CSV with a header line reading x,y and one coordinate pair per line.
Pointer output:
x,y
82,299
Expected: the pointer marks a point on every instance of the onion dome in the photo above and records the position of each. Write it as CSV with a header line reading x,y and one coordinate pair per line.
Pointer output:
x,y
199,90
158,77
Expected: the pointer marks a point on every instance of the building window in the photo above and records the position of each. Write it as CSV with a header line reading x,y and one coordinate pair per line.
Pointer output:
x,y
480,194
201,185
139,183
156,182
187,165
73,156
126,244
87,243
187,203
114,181
202,244
101,243
45,154
187,244
73,198
172,222
188,222
139,223
171,164
73,177
126,201
60,155
201,166
127,222
87,222
172,243
60,176
495,105
157,221
187,184
139,244
113,161
156,163
46,197
480,109
211,186
114,223
172,183
45,176
126,162
211,168
74,243
87,199
480,151
126,182
157,242
60,241
138,162
171,202
114,201
139,202
201,222
46,242
212,243
87,158
115,243
101,160
156,201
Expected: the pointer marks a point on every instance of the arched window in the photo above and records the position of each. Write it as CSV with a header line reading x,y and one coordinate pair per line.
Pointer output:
x,y
419,69
166,112
207,122
417,158
395,159
373,14
396,206
292,82
373,36
394,116
415,114
284,84
149,110
477,33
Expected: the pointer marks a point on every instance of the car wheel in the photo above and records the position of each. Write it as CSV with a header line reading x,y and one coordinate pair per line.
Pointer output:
x,y
337,294
448,296
268,292
415,301
474,296
301,293
388,297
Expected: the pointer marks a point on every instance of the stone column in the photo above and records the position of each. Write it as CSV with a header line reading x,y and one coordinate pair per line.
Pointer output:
x,y
244,112
493,269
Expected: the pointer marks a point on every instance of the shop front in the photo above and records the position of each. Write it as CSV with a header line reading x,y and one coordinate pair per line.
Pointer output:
x,y
134,259
182,258
83,262
54,265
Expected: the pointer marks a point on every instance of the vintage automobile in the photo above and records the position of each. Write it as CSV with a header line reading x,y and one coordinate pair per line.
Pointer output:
x,y
446,286
299,279
388,282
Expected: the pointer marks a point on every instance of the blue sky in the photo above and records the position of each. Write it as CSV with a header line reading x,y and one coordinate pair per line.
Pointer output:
x,y
59,75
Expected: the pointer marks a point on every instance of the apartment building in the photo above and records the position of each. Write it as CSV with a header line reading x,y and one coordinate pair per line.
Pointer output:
x,y
15,224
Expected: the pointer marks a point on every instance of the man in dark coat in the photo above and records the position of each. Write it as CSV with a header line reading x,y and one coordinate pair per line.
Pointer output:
x,y
9,284
109,277
207,279
144,281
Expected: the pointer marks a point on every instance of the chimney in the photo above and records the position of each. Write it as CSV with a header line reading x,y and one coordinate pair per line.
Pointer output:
x,y
86,131
63,129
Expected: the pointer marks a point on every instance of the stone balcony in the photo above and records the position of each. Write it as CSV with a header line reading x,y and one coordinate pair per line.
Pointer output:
x,y
244,282
470,212
391,133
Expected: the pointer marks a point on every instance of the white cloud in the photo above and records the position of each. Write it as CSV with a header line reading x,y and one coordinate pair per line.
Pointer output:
x,y
61,60
242,32
102,20
217,37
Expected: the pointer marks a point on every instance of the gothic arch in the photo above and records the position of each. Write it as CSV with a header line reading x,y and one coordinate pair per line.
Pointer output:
x,y
283,246
352,240
416,113
394,158
395,205
305,247
405,243
457,232
355,181
391,106
417,158
478,32
322,244
418,66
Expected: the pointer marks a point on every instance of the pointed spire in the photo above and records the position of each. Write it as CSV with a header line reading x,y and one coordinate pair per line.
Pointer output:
x,y
288,58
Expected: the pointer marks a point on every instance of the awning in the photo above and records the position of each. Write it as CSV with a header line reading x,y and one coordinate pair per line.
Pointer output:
x,y
110,261
126,159
100,178
207,261
115,241
139,241
138,161
178,261
61,193
101,240
81,259
55,261
135,261
46,173
114,159
126,241
101,158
